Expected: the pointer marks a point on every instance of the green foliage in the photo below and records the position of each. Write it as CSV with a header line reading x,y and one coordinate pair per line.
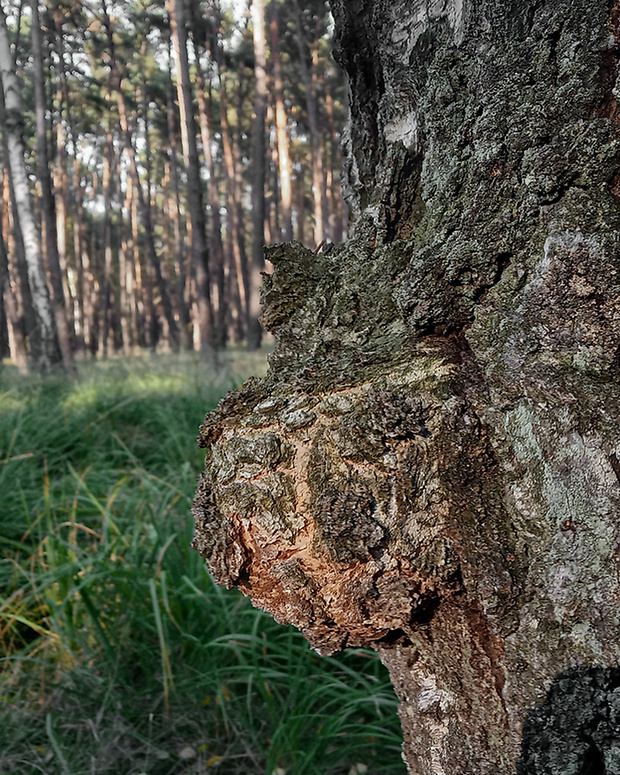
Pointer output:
x,y
120,655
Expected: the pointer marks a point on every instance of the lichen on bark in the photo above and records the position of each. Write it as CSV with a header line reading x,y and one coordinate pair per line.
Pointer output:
x,y
431,465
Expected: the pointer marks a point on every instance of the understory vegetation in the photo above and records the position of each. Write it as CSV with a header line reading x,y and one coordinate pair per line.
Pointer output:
x,y
119,653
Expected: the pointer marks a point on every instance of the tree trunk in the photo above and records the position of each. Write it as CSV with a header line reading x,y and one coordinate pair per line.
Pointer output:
x,y
217,248
200,252
17,254
48,204
431,467
178,257
145,211
234,228
84,282
285,170
47,355
8,301
318,176
259,153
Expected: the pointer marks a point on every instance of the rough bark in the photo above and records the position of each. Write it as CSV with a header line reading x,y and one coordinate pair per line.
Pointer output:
x,y
431,467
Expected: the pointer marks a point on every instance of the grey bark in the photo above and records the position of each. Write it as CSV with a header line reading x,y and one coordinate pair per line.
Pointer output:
x,y
19,267
431,467
46,356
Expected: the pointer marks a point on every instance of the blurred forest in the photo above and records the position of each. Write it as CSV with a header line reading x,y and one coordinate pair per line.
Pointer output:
x,y
150,148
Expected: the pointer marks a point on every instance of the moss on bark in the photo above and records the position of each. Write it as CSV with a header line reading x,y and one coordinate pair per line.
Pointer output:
x,y
431,465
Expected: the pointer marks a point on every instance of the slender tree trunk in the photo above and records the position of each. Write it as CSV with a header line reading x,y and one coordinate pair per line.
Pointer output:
x,y
217,248
85,289
259,153
233,206
140,293
48,204
444,458
17,254
62,196
11,308
200,253
125,277
145,210
105,268
49,355
336,206
318,176
301,204
177,219
285,169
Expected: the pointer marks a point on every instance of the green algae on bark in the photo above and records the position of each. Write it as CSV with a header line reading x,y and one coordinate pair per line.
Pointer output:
x,y
431,465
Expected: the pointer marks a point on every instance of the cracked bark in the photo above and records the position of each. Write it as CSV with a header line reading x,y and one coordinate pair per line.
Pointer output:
x,y
430,466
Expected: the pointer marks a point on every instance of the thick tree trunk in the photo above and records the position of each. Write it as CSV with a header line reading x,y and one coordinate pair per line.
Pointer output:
x,y
431,466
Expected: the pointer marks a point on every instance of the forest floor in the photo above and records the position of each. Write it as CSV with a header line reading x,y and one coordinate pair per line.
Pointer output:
x,y
118,654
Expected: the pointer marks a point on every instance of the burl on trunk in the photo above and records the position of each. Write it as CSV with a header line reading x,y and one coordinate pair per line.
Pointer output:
x,y
432,465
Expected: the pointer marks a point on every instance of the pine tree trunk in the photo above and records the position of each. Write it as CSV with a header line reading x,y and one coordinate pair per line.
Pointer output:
x,y
145,211
318,176
48,203
285,170
431,467
85,282
179,255
200,252
217,248
8,301
234,227
259,157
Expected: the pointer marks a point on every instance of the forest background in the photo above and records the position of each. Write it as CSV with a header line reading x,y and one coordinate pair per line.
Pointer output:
x,y
169,143
148,151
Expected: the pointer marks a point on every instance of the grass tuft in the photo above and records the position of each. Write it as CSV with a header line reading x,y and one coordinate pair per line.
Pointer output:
x,y
119,653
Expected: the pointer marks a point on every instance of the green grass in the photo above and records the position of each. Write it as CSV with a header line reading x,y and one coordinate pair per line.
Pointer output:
x,y
119,653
